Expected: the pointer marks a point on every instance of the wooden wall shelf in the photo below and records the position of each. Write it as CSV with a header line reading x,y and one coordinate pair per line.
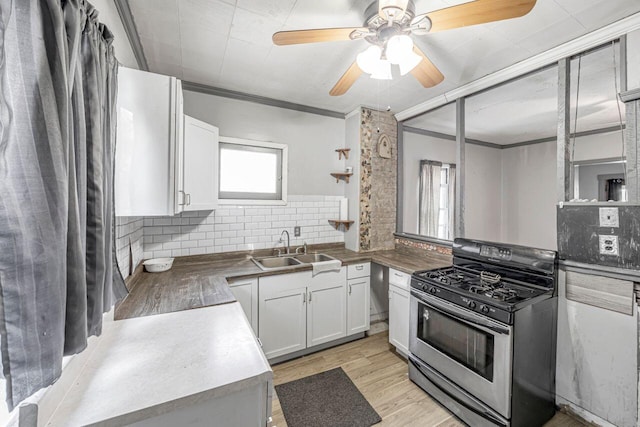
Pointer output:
x,y
337,223
341,175
343,152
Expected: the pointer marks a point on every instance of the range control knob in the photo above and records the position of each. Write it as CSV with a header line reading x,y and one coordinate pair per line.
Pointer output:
x,y
432,290
471,305
484,309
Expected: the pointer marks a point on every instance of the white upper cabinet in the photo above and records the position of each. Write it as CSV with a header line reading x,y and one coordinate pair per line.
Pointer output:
x,y
165,162
200,165
149,143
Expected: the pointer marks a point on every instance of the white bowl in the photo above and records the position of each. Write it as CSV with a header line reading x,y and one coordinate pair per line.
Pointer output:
x,y
157,265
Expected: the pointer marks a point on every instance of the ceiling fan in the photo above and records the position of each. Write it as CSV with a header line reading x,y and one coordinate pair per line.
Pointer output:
x,y
388,27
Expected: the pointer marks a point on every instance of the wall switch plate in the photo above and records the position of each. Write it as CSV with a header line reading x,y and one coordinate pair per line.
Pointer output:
x,y
609,217
608,245
296,231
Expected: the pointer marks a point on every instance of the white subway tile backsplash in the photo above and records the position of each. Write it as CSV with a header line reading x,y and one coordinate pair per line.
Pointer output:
x,y
238,228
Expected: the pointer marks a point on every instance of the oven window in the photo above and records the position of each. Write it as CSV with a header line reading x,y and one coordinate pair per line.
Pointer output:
x,y
465,344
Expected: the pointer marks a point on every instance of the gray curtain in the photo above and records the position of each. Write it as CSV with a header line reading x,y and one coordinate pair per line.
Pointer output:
x,y
57,129
429,197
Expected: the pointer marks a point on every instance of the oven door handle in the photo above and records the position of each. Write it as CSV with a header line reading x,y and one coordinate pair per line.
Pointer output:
x,y
460,313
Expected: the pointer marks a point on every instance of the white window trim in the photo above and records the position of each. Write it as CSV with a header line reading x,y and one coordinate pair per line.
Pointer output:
x,y
285,172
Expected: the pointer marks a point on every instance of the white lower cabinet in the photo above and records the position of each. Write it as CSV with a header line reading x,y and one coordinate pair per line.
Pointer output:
x,y
358,298
297,311
326,308
358,305
399,306
282,313
246,292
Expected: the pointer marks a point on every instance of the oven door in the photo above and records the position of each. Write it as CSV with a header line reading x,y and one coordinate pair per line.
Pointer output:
x,y
469,349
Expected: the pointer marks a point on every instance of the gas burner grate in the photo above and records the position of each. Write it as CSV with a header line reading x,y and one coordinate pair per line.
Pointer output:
x,y
502,294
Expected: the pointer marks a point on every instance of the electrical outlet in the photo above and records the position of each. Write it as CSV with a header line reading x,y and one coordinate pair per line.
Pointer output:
x,y
608,245
296,231
609,217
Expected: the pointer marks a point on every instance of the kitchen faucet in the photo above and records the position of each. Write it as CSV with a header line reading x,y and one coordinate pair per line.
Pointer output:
x,y
288,241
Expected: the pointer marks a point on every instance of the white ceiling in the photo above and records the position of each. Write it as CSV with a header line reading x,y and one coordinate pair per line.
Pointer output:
x,y
526,109
227,44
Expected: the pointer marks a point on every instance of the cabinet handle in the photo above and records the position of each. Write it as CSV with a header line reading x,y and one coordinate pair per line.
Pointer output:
x,y
349,289
188,199
183,197
359,267
260,342
310,297
398,275
304,298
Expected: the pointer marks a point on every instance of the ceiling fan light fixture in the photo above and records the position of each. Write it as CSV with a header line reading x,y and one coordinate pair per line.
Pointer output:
x,y
370,61
392,10
400,51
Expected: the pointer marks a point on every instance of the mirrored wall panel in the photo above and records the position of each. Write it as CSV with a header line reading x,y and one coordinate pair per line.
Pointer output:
x,y
597,122
429,174
510,186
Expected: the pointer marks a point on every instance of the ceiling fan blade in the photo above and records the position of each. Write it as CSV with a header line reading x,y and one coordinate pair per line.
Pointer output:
x,y
282,38
425,72
476,12
347,80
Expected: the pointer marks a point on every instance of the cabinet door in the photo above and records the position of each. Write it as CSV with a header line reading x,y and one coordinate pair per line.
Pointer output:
x,y
200,165
326,313
282,313
147,143
246,292
358,295
399,318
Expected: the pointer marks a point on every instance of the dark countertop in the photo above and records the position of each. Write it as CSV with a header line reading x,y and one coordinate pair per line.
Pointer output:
x,y
201,281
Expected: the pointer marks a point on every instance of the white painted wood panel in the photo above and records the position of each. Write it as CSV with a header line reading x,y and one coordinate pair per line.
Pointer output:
x,y
355,271
358,301
282,324
326,313
149,132
399,279
200,165
282,313
246,292
399,318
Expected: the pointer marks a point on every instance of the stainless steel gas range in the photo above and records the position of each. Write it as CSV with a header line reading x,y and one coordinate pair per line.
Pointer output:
x,y
483,333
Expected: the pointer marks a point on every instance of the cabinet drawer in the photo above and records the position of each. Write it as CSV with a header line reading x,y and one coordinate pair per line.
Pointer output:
x,y
399,278
359,270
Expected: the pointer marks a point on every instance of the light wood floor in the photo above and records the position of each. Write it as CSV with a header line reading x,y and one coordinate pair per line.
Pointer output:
x,y
381,376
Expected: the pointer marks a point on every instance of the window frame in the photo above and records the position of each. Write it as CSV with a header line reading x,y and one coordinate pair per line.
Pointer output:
x,y
255,198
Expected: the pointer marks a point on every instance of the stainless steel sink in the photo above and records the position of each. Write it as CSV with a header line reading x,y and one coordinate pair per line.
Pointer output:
x,y
289,261
309,258
276,262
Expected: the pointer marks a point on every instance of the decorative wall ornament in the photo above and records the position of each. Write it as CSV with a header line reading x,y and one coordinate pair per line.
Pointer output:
x,y
384,146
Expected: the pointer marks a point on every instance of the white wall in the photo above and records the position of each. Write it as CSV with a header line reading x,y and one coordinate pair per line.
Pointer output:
x,y
529,195
483,194
633,60
352,190
312,139
415,148
602,146
109,16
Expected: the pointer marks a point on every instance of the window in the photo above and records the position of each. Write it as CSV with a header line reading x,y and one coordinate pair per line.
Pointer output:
x,y
436,200
252,172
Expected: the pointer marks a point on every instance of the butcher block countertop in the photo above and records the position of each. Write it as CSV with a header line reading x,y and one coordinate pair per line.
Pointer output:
x,y
201,281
